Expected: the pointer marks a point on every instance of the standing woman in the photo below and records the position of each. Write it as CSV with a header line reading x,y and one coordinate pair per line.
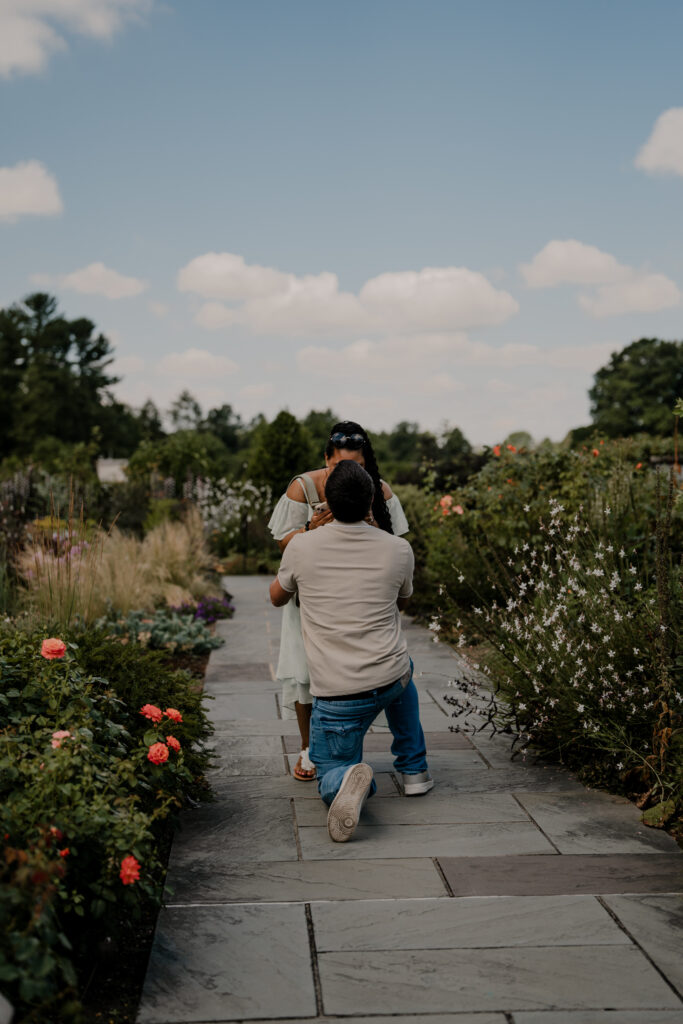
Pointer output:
x,y
302,508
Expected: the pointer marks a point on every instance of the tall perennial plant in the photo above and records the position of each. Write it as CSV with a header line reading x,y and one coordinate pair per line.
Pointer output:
x,y
586,647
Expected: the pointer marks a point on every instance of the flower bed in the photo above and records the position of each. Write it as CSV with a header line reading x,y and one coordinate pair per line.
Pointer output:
x,y
102,743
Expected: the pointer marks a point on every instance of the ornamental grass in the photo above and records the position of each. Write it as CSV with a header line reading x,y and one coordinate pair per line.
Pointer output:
x,y
72,570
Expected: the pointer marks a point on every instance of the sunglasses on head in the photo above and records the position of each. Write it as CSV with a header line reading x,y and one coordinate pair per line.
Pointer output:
x,y
350,441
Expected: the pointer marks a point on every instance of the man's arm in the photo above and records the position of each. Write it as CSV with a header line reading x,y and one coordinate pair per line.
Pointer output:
x,y
406,591
278,594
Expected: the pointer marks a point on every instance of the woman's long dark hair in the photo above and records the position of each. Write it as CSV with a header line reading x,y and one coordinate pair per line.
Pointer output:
x,y
379,504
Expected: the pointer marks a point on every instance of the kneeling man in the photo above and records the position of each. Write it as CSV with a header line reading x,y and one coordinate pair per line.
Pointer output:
x,y
352,580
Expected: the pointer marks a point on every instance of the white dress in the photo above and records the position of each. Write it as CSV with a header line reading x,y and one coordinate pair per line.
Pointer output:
x,y
292,670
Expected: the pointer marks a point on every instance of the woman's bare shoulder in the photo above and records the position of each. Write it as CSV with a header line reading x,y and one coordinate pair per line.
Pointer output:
x,y
295,489
386,490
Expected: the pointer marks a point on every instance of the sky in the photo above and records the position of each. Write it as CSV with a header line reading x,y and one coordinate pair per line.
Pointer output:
x,y
445,212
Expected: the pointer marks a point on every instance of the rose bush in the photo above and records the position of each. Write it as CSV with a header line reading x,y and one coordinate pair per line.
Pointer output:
x,y
83,808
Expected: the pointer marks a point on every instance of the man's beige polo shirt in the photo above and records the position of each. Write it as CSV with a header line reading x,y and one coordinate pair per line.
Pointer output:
x,y
348,577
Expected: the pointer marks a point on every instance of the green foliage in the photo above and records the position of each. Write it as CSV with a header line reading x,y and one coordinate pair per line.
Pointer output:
x,y
180,456
78,793
585,637
281,449
54,380
514,485
636,391
165,630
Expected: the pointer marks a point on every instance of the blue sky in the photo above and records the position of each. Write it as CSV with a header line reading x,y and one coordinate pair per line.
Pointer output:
x,y
444,212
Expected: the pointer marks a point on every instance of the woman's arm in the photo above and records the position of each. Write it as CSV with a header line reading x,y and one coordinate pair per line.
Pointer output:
x,y
295,493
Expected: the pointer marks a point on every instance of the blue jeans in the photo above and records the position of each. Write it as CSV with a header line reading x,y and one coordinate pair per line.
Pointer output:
x,y
338,728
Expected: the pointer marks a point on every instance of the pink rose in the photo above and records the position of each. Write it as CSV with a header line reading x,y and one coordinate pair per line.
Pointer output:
x,y
53,648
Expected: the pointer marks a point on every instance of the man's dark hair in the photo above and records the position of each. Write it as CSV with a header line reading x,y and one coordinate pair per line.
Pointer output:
x,y
349,491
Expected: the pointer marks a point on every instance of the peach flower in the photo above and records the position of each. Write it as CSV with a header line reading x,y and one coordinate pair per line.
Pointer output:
x,y
173,714
173,743
152,712
53,648
158,753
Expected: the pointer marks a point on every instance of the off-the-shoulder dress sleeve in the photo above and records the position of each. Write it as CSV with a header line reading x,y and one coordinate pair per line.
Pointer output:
x,y
287,515
399,523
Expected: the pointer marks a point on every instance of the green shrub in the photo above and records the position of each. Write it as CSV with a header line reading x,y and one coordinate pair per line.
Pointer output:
x,y
585,639
81,791
164,630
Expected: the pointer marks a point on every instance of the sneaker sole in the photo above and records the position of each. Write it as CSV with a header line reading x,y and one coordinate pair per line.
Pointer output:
x,y
344,811
419,788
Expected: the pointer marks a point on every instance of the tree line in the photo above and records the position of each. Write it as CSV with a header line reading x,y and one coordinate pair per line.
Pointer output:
x,y
57,406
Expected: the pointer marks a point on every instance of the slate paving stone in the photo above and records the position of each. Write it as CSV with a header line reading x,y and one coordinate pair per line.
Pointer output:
x,y
236,829
217,687
239,764
424,810
469,923
427,841
251,746
254,727
234,706
529,876
656,924
592,822
212,880
599,1017
513,779
511,979
429,1018
209,964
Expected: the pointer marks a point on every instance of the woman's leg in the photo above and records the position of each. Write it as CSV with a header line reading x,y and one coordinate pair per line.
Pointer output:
x,y
304,769
303,717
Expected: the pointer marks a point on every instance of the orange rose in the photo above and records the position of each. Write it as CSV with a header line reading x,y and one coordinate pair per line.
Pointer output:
x,y
158,753
152,712
173,714
173,743
496,450
130,870
53,648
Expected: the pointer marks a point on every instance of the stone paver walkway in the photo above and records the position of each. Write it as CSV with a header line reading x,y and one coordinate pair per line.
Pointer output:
x,y
510,894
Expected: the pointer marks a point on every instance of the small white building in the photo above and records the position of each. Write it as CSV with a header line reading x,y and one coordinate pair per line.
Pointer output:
x,y
112,471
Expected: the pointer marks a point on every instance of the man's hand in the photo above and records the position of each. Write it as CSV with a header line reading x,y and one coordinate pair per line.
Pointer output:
x,y
278,594
402,602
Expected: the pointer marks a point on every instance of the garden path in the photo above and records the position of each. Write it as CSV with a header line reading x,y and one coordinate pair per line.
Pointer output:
x,y
510,894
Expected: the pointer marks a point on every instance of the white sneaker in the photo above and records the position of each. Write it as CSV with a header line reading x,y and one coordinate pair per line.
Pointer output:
x,y
415,785
345,809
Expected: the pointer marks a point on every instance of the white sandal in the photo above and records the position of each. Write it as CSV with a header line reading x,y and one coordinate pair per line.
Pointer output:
x,y
304,769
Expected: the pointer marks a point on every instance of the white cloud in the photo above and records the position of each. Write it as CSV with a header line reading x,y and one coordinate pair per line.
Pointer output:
x,y
196,364
28,188
30,29
256,390
570,262
619,288
663,151
225,275
268,301
95,279
643,293
125,365
435,298
428,357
